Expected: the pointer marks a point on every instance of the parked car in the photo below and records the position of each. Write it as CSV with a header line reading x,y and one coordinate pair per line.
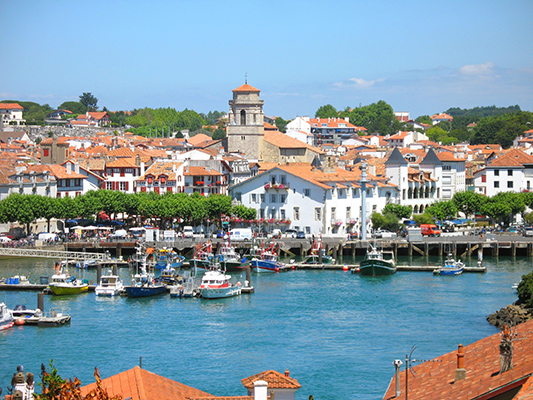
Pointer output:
x,y
188,232
383,234
300,235
353,236
528,231
290,233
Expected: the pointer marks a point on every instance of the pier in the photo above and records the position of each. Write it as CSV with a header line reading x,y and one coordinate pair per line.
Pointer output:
x,y
57,254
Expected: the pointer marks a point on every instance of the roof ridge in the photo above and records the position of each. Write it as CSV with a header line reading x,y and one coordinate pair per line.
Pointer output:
x,y
140,383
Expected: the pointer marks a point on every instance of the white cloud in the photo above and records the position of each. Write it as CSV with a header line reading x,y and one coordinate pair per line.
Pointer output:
x,y
479,69
358,83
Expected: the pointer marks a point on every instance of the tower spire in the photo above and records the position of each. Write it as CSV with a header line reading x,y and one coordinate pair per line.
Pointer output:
x,y
246,78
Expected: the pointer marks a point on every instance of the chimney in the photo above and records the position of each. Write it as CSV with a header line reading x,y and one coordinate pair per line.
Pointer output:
x,y
69,168
506,350
287,373
460,372
260,390
77,167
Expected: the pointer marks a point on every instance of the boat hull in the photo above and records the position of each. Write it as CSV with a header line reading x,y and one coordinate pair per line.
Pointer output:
x,y
220,293
107,291
145,291
376,267
451,271
265,266
60,290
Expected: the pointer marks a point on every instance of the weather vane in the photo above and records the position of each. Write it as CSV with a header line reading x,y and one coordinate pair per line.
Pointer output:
x,y
246,78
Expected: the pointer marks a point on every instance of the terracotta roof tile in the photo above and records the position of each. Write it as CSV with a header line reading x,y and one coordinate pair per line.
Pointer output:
x,y
139,384
11,106
330,123
275,380
201,171
284,141
512,158
436,379
246,88
122,163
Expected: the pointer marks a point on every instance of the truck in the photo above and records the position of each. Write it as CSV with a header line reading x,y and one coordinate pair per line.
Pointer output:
x,y
430,230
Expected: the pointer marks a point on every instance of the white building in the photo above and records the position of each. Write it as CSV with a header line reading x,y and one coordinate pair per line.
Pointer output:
x,y
313,199
11,114
511,172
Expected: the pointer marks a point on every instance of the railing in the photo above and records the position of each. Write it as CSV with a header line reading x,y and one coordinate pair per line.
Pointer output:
x,y
71,255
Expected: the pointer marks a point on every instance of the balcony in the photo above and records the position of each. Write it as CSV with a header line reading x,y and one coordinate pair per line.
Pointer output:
x,y
277,186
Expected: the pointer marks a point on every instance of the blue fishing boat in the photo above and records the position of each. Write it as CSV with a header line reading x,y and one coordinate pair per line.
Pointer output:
x,y
451,267
144,284
266,259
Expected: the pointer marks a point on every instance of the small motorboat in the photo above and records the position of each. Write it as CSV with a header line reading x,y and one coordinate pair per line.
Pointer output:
x,y
144,284
266,259
110,285
20,311
317,254
230,260
61,283
451,267
6,317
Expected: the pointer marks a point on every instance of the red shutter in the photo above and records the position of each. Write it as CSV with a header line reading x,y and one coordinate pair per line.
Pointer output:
x,y
127,186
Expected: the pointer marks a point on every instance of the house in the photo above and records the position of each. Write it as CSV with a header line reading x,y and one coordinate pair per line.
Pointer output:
x,y
92,181
11,114
12,136
206,177
404,139
402,116
90,118
437,118
54,150
510,172
279,147
497,367
162,177
311,197
140,384
56,117
121,174
453,178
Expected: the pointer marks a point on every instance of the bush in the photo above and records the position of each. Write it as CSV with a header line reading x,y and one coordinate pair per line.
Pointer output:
x,y
525,291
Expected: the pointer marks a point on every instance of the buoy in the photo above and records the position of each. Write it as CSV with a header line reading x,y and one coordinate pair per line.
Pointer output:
x,y
345,267
20,321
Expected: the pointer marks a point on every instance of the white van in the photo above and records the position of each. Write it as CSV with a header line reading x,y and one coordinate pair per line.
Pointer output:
x,y
188,232
240,234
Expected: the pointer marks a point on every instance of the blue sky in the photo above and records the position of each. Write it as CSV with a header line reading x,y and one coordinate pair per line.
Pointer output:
x,y
418,56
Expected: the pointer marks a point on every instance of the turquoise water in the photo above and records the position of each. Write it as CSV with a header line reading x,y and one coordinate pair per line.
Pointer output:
x,y
337,333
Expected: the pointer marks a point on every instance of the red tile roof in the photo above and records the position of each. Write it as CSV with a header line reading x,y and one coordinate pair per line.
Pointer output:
x,y
139,384
436,379
246,88
512,158
275,380
330,122
11,106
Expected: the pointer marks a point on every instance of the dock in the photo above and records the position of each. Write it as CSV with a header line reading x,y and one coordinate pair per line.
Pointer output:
x,y
348,267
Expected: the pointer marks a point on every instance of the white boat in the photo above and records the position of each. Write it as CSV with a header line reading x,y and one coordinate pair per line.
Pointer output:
x,y
110,285
6,317
451,267
216,284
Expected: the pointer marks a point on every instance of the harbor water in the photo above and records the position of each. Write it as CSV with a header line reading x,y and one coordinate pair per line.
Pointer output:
x,y
337,333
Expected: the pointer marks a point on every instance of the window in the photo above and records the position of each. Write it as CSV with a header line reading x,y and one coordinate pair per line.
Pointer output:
x,y
262,213
272,213
243,137
273,198
296,213
510,184
283,179
446,167
122,186
282,198
273,179
484,178
282,213
496,184
46,152
318,214
243,118
348,212
238,196
307,192
262,196
254,198
509,172
109,185
497,172
333,212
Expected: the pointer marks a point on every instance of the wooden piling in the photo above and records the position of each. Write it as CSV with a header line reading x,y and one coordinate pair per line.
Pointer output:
x,y
40,301
98,273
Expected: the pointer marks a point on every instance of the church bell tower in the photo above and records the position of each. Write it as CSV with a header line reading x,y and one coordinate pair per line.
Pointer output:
x,y
246,127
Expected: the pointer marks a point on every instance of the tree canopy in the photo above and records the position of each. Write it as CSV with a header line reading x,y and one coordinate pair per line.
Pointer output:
x,y
89,101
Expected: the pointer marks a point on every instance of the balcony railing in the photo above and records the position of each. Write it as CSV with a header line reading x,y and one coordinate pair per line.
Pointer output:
x,y
277,186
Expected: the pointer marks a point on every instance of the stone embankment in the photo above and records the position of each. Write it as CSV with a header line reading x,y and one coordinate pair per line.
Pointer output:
x,y
511,315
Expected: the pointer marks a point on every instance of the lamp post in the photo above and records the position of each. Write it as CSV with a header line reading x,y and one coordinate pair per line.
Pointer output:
x,y
363,181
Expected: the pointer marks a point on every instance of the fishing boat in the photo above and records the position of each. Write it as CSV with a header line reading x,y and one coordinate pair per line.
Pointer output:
x,y
317,254
265,259
168,258
216,285
377,262
6,317
203,255
185,286
143,284
230,260
61,283
450,267
110,285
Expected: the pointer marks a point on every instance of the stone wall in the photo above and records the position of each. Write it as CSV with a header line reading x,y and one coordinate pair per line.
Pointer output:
x,y
42,131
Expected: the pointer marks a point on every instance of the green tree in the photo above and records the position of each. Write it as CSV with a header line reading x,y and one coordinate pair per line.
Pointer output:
x,y
281,124
327,111
75,106
424,119
496,210
217,205
219,133
424,218
469,203
89,101
243,212
400,211
525,290
443,210
375,117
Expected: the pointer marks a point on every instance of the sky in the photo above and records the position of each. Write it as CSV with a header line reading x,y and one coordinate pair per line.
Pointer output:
x,y
419,56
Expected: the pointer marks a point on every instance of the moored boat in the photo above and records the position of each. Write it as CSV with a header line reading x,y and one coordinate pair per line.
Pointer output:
x,y
6,317
377,262
216,284
61,283
144,285
109,285
203,255
451,267
230,260
317,254
266,259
